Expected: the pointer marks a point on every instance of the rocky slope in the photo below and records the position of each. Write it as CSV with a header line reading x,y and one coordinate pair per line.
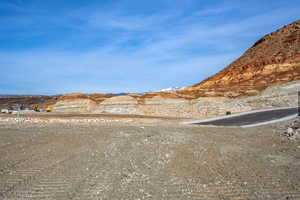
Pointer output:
x,y
273,60
27,100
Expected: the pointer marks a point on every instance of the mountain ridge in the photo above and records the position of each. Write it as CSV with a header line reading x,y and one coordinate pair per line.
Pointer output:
x,y
273,59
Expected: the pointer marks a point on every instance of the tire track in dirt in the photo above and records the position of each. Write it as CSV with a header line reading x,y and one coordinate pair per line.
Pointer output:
x,y
22,186
148,163
32,186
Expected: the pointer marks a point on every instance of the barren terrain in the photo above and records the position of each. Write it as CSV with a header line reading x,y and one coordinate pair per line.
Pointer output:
x,y
144,158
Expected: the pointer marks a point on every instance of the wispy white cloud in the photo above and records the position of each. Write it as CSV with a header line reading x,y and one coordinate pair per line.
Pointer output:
x,y
135,52
214,11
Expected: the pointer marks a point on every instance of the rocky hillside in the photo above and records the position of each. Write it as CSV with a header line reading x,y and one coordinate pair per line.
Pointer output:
x,y
272,60
27,101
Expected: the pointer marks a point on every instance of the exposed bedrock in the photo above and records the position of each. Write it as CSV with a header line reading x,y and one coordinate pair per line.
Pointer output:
x,y
277,96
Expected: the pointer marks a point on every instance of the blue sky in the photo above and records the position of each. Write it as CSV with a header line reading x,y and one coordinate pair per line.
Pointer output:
x,y
103,46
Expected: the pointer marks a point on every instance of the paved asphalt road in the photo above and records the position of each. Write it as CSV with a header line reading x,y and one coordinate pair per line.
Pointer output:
x,y
252,118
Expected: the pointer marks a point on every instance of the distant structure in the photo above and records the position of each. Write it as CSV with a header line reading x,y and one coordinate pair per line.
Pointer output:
x,y
14,109
5,111
298,103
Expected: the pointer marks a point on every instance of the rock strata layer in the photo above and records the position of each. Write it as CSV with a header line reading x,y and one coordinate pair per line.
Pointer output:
x,y
277,96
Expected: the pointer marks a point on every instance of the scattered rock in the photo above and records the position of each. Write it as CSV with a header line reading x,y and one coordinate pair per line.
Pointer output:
x,y
292,131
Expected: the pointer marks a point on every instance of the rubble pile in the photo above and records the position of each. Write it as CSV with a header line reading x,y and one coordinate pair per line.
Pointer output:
x,y
292,131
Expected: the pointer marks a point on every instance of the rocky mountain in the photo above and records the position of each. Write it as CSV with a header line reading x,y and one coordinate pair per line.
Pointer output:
x,y
272,60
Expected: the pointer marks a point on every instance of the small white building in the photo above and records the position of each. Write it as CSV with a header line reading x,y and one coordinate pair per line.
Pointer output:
x,y
6,111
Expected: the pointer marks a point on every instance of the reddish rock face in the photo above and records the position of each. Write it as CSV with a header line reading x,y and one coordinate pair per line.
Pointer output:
x,y
274,59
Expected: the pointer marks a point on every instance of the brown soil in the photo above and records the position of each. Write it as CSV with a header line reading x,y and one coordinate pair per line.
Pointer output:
x,y
143,161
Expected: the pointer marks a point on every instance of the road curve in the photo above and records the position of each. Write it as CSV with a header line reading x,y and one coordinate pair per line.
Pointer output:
x,y
253,119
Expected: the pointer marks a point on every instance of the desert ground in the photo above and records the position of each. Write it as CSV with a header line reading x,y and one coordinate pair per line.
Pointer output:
x,y
144,158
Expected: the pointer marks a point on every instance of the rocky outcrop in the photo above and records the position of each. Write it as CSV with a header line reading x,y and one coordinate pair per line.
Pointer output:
x,y
77,102
273,60
154,104
118,105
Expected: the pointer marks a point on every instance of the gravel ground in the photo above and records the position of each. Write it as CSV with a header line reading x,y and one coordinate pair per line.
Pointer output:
x,y
123,158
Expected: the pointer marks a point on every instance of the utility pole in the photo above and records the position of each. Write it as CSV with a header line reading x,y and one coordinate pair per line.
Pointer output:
x,y
18,114
298,103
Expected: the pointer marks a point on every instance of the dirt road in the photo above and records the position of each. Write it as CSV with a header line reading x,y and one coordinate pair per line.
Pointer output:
x,y
125,161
